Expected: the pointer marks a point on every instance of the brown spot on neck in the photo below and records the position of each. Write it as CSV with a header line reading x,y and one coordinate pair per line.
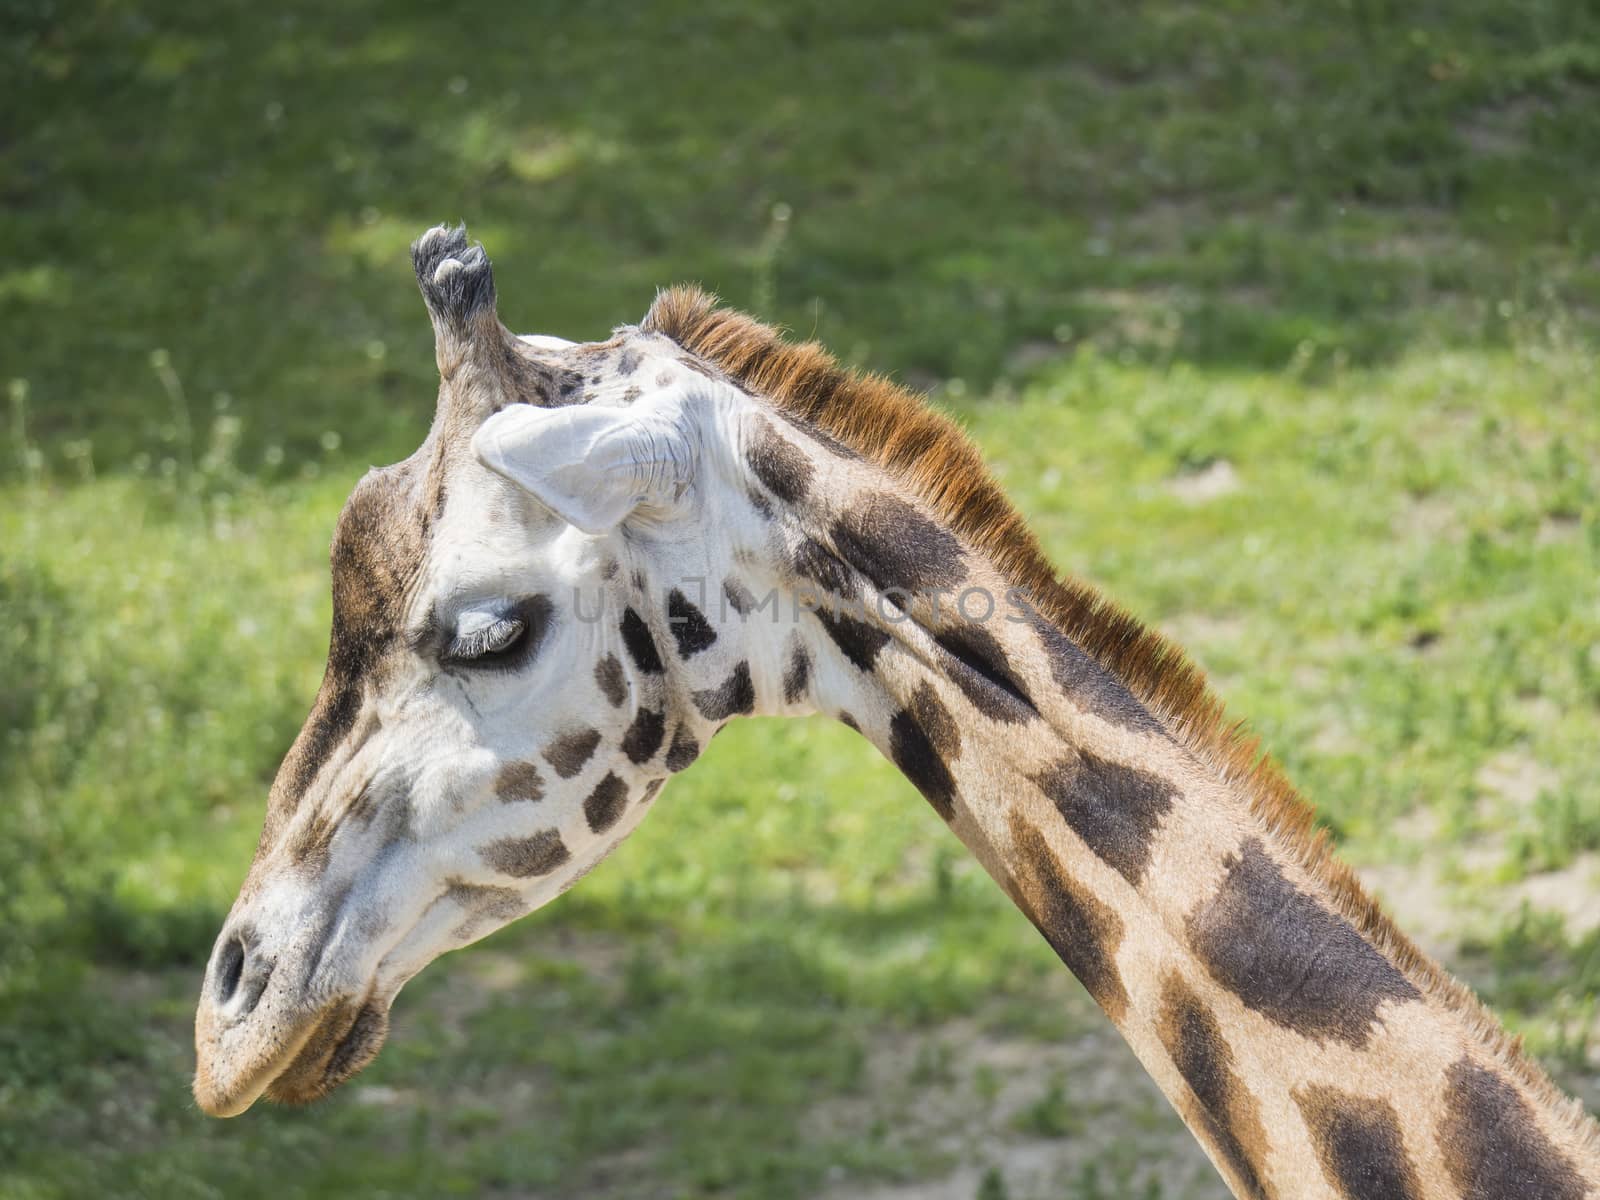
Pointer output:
x,y
923,737
1115,809
1289,957
1359,1145
1223,1114
979,667
781,467
1082,930
1493,1146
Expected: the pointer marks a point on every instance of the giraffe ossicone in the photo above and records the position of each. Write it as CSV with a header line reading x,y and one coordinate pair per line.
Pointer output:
x,y
603,552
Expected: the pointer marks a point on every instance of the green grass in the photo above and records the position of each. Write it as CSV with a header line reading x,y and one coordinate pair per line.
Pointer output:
x,y
1279,321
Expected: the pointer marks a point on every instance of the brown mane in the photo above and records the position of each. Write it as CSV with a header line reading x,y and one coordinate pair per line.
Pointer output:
x,y
928,454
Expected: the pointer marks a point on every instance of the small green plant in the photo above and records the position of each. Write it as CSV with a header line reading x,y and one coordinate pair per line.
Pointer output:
x,y
992,1185
1049,1116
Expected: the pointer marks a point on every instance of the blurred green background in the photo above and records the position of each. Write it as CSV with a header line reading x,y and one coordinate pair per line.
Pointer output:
x,y
1278,319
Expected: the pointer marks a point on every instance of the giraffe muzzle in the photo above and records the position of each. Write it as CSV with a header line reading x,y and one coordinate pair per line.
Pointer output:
x,y
275,1020
290,1061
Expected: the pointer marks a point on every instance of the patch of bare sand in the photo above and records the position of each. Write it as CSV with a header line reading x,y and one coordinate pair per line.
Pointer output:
x,y
1427,888
1501,130
1516,778
1196,630
1428,518
1215,480
1558,529
1436,898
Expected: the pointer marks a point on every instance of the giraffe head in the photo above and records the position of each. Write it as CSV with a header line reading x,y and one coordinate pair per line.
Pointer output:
x,y
519,658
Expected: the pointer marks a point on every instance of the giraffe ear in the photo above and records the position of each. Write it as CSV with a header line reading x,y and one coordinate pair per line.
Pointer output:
x,y
592,466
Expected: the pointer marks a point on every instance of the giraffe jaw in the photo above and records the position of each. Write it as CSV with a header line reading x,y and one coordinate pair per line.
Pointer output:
x,y
326,1049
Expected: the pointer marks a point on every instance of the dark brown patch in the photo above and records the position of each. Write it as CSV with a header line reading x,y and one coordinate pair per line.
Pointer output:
x,y
1359,1145
935,718
1289,958
312,842
683,751
734,695
364,807
1115,809
613,683
631,393
1089,685
983,673
781,466
378,543
848,720
651,789
605,804
1082,930
570,751
859,641
738,595
1493,1147
641,646
519,781
690,629
487,902
760,503
895,546
1225,1115
628,361
814,561
524,858
644,736
389,808
700,368
797,675
817,434
922,736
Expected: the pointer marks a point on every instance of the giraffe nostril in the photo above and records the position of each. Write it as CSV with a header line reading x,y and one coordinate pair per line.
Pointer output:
x,y
230,967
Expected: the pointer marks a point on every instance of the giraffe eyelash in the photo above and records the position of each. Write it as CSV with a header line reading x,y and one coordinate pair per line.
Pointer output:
x,y
495,637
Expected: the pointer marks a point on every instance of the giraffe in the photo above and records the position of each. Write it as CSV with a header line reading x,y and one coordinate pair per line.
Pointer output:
x,y
604,552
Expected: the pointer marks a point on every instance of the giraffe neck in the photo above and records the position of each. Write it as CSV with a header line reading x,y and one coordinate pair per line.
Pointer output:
x,y
1311,1052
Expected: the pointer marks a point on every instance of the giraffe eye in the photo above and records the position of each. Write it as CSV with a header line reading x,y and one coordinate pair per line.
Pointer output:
x,y
505,637
484,636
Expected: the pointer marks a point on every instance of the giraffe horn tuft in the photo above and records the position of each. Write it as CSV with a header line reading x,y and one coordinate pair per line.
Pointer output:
x,y
457,283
